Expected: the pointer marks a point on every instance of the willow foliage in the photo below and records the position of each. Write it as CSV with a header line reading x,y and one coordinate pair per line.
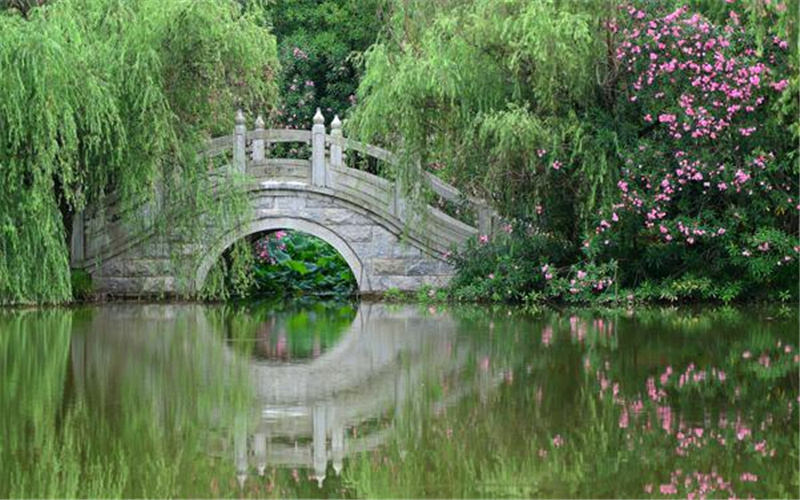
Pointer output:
x,y
112,96
493,93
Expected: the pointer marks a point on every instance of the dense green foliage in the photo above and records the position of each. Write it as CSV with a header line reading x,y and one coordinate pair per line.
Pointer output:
x,y
319,43
668,167
112,97
295,263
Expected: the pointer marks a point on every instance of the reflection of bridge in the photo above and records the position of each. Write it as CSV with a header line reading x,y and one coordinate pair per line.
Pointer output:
x,y
377,370
350,399
366,218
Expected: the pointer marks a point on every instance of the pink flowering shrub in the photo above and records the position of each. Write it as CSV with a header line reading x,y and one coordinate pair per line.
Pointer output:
x,y
710,184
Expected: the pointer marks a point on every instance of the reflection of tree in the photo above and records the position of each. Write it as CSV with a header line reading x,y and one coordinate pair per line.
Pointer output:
x,y
34,356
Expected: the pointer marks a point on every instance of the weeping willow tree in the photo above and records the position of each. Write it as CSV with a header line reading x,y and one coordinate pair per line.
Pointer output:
x,y
113,96
498,96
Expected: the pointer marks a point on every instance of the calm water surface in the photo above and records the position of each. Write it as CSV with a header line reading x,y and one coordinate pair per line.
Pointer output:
x,y
376,400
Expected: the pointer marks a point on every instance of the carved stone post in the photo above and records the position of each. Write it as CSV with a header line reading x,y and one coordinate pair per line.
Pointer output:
x,y
318,151
336,142
239,144
484,219
258,142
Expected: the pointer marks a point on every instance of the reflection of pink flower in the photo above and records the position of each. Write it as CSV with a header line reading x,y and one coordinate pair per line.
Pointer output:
x,y
623,419
547,335
742,432
746,477
668,489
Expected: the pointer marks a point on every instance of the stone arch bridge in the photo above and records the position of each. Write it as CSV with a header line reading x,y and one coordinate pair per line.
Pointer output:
x,y
366,218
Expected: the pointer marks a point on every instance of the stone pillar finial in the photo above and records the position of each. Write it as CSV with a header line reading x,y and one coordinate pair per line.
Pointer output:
x,y
239,142
258,141
318,175
337,144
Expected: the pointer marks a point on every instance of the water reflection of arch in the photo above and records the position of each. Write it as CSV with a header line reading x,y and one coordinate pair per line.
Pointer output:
x,y
374,370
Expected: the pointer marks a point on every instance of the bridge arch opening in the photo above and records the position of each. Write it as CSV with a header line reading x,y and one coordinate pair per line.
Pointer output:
x,y
257,232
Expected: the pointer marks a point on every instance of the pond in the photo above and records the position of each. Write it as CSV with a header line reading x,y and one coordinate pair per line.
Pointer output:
x,y
380,400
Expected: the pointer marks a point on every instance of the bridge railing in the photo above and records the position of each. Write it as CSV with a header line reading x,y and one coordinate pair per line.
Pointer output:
x,y
326,169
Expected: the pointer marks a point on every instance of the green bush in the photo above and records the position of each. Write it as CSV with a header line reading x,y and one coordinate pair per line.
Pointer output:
x,y
506,267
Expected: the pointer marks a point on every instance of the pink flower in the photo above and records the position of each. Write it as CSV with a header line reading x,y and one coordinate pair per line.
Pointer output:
x,y
556,165
666,118
483,239
623,186
558,441
779,86
746,477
